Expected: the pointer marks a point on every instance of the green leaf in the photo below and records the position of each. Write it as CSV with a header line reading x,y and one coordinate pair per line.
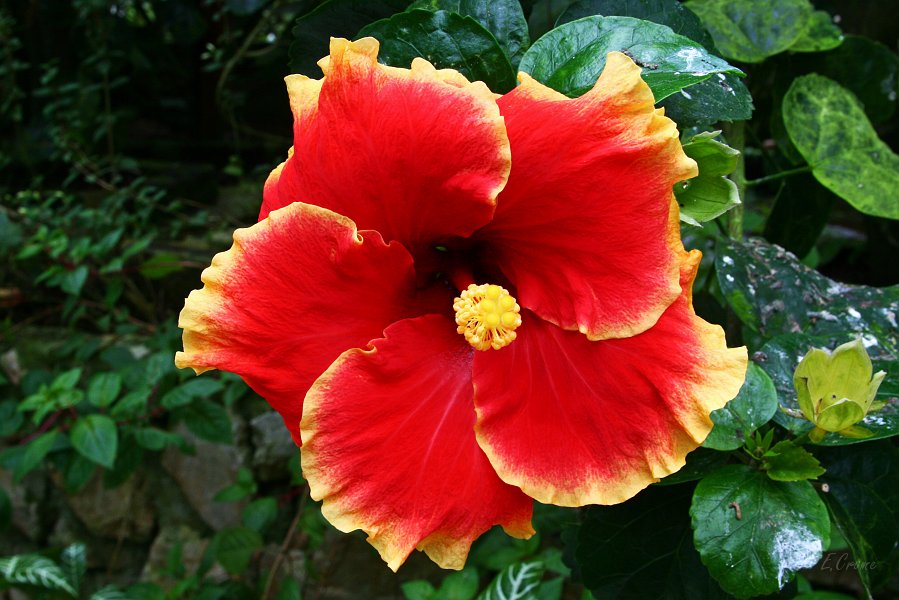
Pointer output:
x,y
35,570
110,592
710,194
772,293
334,18
672,13
459,586
518,581
495,550
201,387
751,31
721,98
789,462
260,513
95,437
290,590
71,281
66,381
829,128
753,407
10,418
780,357
207,420
863,498
700,462
234,547
448,41
37,449
418,589
779,528
78,472
155,439
571,57
820,35
160,265
503,18
104,388
73,561
643,549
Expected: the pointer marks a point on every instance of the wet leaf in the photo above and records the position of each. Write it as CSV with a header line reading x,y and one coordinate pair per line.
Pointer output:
x,y
753,407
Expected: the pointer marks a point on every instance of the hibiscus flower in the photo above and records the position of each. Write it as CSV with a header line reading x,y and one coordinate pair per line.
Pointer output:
x,y
461,302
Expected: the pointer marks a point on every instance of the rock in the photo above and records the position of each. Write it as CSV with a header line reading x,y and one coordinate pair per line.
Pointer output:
x,y
292,565
203,475
272,447
25,498
121,512
157,568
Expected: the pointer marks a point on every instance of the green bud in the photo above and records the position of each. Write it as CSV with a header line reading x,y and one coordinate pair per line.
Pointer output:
x,y
836,390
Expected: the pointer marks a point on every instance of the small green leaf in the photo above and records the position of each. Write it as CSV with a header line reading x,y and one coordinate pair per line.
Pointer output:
x,y
459,586
503,18
788,462
753,533
10,418
66,381
829,128
290,590
571,57
234,547
495,550
155,439
34,453
95,437
333,18
260,513
710,194
71,281
104,388
418,589
751,31
519,580
207,420
78,472
753,407
821,34
201,387
448,41
160,265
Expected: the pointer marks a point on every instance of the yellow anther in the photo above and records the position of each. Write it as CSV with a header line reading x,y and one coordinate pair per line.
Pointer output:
x,y
487,315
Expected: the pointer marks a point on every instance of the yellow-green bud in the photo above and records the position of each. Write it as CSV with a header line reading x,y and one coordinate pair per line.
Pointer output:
x,y
836,390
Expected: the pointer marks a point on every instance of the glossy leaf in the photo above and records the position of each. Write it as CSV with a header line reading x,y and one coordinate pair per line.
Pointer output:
x,y
333,18
821,34
829,128
863,498
710,101
643,549
448,41
782,527
503,18
700,463
95,437
753,407
751,31
672,13
711,194
571,57
772,293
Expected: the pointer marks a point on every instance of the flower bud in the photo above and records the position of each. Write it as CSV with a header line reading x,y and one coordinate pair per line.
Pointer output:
x,y
836,389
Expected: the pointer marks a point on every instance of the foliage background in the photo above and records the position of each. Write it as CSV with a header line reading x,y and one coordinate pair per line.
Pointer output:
x,y
136,137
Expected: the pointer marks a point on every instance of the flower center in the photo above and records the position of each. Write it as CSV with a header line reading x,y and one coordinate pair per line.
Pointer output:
x,y
487,315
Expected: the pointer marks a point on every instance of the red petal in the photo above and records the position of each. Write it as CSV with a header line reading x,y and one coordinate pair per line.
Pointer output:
x,y
389,445
292,293
576,422
418,155
587,227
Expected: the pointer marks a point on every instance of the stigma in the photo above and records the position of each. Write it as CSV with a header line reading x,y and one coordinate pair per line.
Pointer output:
x,y
487,315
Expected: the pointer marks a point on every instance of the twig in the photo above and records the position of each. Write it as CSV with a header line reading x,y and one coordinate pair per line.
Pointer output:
x,y
282,552
776,176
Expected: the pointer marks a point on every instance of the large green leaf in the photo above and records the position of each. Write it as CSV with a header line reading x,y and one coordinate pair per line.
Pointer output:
x,y
95,437
571,57
829,128
780,356
753,407
643,549
863,498
772,293
710,194
503,18
446,39
751,31
672,13
334,18
754,533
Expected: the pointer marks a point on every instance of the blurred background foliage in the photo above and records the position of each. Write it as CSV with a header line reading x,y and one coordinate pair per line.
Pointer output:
x,y
136,137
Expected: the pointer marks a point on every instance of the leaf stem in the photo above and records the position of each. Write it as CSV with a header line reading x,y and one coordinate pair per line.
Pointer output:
x,y
777,176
